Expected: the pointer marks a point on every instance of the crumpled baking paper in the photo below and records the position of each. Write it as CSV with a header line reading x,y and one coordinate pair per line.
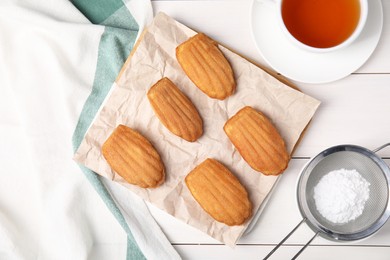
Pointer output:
x,y
153,58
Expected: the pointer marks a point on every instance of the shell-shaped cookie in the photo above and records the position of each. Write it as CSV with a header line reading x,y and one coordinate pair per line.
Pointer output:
x,y
134,158
258,141
175,111
206,66
219,193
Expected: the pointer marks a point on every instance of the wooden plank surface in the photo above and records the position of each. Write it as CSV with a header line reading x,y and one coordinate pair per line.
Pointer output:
x,y
354,110
248,252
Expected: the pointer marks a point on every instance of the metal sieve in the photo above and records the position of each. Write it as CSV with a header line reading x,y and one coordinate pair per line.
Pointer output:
x,y
376,210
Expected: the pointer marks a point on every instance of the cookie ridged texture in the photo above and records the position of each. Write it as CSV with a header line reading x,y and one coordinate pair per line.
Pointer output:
x,y
206,66
219,193
175,110
134,158
258,141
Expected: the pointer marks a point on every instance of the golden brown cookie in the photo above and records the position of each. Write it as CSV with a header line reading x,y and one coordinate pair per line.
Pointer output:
x,y
219,193
206,66
258,141
175,111
134,158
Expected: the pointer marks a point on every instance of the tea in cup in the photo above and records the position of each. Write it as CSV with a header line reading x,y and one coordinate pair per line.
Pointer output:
x,y
322,25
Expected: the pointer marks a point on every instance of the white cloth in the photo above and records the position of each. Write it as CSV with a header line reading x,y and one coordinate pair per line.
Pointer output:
x,y
48,210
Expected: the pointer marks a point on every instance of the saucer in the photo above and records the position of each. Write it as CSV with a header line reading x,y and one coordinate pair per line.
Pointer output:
x,y
304,66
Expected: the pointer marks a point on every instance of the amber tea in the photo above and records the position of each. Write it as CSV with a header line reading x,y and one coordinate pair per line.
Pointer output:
x,y
321,23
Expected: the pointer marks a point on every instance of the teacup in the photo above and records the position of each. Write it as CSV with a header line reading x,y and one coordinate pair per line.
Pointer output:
x,y
322,25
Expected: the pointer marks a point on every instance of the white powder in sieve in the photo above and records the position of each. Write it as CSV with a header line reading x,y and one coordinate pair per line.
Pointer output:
x,y
340,195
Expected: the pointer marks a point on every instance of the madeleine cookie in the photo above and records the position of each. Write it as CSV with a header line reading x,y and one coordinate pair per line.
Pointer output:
x,y
134,158
175,111
219,193
258,141
206,66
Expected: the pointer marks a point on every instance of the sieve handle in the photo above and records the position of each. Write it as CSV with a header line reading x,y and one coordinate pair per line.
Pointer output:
x,y
285,238
380,148
303,248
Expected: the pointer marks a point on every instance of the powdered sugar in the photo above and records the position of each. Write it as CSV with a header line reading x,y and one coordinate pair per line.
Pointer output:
x,y
340,195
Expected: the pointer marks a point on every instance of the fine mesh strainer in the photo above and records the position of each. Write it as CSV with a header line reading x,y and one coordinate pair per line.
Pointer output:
x,y
376,210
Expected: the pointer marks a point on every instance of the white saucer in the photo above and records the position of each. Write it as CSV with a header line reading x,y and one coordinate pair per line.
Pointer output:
x,y
300,65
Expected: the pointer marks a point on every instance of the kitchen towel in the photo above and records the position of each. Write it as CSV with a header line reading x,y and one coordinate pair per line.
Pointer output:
x,y
52,53
115,46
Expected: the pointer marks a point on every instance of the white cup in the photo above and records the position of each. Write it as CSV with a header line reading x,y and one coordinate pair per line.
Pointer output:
x,y
346,42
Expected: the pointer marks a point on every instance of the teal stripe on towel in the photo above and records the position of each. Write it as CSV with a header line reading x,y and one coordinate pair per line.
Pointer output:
x,y
97,10
115,45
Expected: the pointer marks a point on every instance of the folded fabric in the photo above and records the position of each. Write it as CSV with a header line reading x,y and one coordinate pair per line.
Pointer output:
x,y
115,46
51,57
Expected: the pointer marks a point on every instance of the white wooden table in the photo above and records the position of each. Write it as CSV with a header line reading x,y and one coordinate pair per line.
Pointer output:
x,y
354,110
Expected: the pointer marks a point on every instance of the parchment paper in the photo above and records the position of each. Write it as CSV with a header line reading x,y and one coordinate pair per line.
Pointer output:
x,y
154,58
